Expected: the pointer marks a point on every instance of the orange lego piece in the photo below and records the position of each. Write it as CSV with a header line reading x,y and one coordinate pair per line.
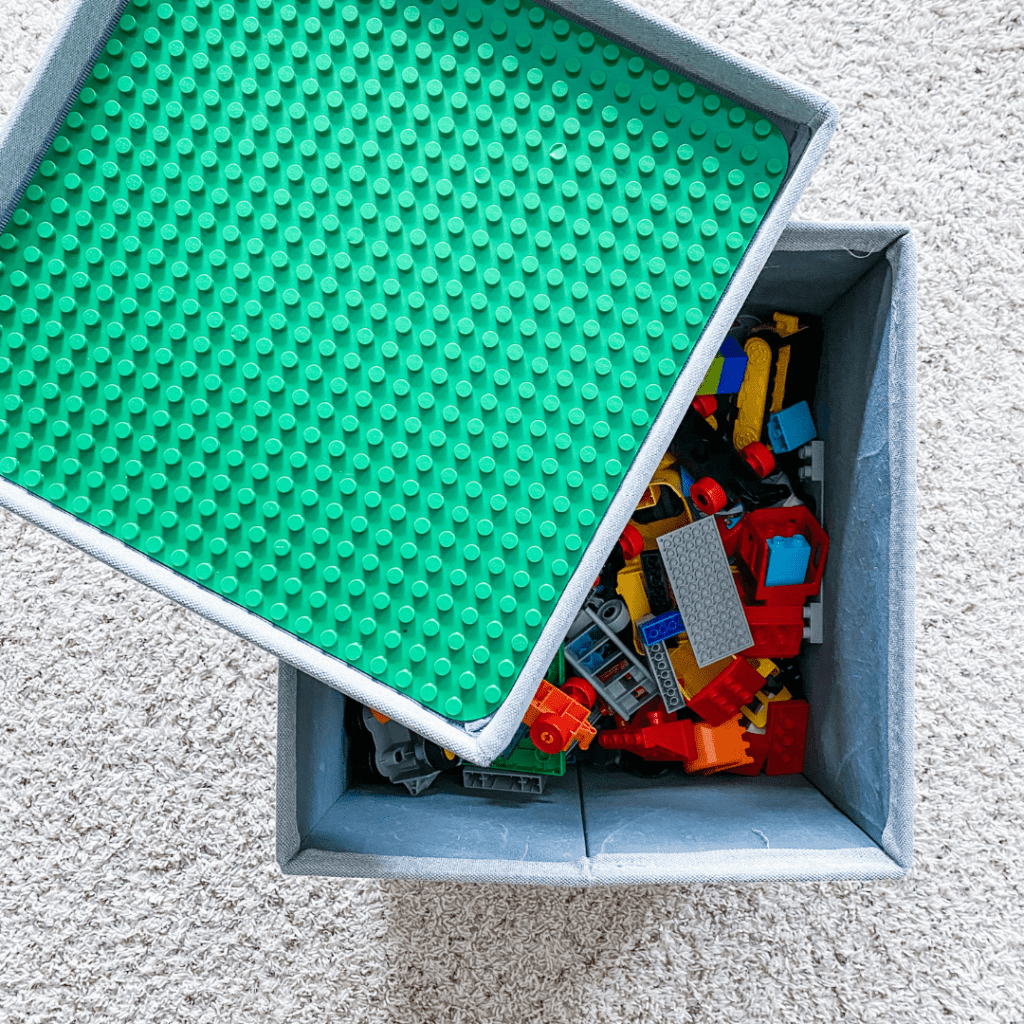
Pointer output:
x,y
719,747
556,719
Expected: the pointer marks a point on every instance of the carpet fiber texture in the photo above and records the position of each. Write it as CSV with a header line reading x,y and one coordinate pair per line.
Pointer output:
x,y
137,874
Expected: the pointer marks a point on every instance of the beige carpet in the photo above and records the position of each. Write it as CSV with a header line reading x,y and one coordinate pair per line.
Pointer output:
x,y
137,880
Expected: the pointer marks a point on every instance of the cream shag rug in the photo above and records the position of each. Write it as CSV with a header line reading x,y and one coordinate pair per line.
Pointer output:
x,y
137,874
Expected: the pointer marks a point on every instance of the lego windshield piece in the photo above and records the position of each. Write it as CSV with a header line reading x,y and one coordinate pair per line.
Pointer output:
x,y
355,316
708,600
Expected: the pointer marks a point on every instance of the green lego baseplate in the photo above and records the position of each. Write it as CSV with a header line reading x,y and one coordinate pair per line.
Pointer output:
x,y
525,757
356,314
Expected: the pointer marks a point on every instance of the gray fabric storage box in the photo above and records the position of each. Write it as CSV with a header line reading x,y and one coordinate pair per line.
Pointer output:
x,y
806,120
849,816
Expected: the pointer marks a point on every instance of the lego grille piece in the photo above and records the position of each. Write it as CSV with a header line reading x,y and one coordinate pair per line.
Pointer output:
x,y
705,592
355,315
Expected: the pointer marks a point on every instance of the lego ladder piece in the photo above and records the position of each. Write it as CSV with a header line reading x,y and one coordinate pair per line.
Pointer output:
x,y
619,678
503,782
701,580
665,676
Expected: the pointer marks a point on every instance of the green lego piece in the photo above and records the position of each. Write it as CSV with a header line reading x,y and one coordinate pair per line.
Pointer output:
x,y
527,758
355,315
709,385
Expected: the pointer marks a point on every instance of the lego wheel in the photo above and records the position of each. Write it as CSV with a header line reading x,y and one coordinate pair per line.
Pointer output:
x,y
614,614
705,405
579,689
631,541
759,459
550,734
708,495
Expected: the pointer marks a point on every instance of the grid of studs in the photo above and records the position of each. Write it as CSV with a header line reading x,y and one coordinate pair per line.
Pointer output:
x,y
356,314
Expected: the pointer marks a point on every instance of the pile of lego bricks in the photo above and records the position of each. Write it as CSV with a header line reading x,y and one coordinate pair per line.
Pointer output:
x,y
684,654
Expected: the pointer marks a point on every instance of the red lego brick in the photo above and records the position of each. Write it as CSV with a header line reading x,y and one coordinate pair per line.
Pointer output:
x,y
755,530
656,735
631,542
757,748
777,630
787,737
726,693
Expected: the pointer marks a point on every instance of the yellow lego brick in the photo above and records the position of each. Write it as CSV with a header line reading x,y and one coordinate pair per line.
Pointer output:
x,y
786,324
630,587
664,475
764,667
694,679
781,368
753,394
756,712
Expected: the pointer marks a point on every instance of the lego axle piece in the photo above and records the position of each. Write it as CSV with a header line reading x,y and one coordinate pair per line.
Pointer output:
x,y
403,757
705,592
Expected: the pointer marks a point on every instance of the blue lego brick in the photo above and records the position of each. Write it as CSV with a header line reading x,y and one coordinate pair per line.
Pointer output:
x,y
787,561
661,627
791,428
734,366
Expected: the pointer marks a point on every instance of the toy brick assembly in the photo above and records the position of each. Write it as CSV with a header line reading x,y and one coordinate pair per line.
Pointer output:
x,y
684,654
